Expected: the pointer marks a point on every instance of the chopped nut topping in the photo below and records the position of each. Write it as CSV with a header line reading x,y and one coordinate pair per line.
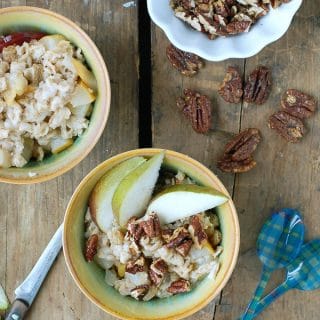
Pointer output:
x,y
179,286
184,247
139,292
135,266
135,229
91,247
152,226
179,235
197,232
166,234
157,270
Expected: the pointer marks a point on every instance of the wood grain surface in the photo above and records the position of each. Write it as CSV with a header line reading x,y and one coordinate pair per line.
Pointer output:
x,y
286,175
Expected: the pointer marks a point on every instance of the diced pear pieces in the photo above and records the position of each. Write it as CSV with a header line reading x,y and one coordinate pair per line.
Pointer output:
x,y
134,192
50,42
184,200
82,111
85,74
100,201
82,95
5,158
59,144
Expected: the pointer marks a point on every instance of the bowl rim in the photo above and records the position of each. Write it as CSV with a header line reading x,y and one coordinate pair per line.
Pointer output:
x,y
233,53
105,98
114,161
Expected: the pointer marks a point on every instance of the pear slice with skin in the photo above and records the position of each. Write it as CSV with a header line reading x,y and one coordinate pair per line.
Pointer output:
x,y
4,302
184,200
135,190
100,201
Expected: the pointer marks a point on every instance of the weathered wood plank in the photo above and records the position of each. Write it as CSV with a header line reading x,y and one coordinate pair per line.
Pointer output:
x,y
286,175
172,131
31,214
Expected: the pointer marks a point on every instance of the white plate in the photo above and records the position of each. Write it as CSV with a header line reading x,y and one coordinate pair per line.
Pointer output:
x,y
268,29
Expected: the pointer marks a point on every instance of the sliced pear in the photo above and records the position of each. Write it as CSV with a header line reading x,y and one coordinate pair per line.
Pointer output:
x,y
100,201
5,159
184,200
4,302
28,147
82,111
134,192
50,42
82,95
85,74
59,144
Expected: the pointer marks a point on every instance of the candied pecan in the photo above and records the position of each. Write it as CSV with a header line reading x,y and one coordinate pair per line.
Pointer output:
x,y
197,232
157,270
152,227
243,145
135,229
135,266
231,87
184,247
258,86
222,8
166,234
235,27
226,164
298,104
179,286
288,126
187,63
140,291
179,236
196,108
91,247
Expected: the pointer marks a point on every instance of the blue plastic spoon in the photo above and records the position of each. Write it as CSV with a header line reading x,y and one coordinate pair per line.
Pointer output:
x,y
279,243
303,274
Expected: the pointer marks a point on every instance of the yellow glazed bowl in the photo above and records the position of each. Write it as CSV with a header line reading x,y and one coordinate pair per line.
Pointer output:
x,y
90,278
31,18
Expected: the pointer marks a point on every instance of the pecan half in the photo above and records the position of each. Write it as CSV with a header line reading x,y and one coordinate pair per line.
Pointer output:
x,y
157,270
258,86
197,232
152,227
140,291
243,145
231,87
237,157
235,27
187,63
179,235
226,164
179,286
298,104
196,108
91,247
135,229
135,266
288,126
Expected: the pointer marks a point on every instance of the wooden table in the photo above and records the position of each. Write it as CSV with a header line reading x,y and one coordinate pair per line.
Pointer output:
x,y
143,113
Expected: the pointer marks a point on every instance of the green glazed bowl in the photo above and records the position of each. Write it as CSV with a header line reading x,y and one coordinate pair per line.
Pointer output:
x,y
31,18
90,278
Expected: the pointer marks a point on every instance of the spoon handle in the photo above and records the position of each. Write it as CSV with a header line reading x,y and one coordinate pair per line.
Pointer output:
x,y
272,296
250,311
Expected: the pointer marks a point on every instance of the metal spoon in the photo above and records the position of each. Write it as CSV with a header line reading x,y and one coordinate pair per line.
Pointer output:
x,y
303,274
279,243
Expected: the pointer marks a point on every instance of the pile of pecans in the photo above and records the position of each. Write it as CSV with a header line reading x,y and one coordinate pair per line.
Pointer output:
x,y
222,17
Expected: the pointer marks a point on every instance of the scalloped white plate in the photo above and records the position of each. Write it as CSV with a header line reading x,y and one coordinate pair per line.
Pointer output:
x,y
268,29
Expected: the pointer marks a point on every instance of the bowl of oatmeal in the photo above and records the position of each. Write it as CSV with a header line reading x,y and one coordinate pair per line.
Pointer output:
x,y
217,30
54,95
151,234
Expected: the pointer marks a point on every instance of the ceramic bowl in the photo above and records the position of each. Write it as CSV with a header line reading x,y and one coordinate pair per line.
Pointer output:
x,y
268,29
90,278
30,18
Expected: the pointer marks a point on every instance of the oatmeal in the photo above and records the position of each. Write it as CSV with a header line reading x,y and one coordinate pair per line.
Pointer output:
x,y
46,93
153,260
